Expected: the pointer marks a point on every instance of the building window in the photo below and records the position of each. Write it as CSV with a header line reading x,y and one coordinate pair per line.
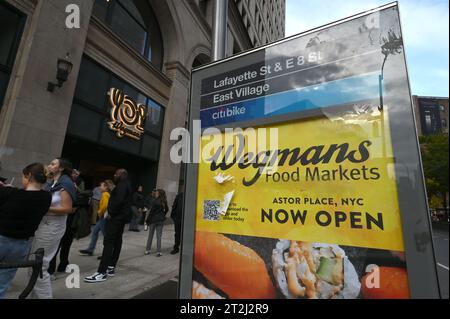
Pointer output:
x,y
135,22
11,28
91,113
430,117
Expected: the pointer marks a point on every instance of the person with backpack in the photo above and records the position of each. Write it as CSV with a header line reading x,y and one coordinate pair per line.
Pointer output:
x,y
119,214
155,220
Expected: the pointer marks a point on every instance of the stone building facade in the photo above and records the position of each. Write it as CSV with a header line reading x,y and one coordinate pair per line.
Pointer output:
x,y
144,48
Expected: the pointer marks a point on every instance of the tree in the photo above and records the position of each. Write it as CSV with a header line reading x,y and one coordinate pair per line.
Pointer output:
x,y
435,155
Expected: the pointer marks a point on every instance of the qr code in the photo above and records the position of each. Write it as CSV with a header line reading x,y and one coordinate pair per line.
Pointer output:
x,y
211,209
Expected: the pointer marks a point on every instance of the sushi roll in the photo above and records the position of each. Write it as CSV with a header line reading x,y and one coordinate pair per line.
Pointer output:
x,y
236,270
314,271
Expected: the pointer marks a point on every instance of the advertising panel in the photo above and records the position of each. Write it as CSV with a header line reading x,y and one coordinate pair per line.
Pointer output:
x,y
308,163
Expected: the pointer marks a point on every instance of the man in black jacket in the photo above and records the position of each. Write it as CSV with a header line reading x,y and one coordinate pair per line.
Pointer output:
x,y
177,216
119,213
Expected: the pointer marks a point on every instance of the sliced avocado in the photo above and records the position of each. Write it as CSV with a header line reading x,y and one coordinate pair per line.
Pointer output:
x,y
326,269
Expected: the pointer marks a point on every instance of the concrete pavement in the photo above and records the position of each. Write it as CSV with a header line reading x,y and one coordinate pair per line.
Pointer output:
x,y
441,248
149,277
135,273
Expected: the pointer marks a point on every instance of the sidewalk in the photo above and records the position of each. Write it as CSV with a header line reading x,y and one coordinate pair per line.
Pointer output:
x,y
135,273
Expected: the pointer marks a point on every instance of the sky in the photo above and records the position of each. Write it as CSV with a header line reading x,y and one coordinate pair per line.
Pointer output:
x,y
425,32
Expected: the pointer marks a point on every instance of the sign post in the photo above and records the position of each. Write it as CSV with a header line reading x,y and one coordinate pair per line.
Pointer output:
x,y
309,182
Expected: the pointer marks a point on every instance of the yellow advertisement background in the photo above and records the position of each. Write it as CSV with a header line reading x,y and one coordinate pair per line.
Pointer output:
x,y
379,196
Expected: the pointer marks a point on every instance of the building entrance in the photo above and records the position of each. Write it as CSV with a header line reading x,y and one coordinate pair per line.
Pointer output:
x,y
98,163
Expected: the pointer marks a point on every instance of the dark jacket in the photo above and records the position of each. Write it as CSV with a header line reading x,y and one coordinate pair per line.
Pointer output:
x,y
80,221
138,200
148,202
83,199
21,211
157,213
119,206
63,183
177,208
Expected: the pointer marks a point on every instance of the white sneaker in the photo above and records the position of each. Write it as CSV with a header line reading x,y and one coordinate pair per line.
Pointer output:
x,y
110,272
97,277
145,227
52,277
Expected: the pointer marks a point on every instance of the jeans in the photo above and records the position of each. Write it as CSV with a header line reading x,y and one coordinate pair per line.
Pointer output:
x,y
100,226
112,244
11,250
48,236
159,228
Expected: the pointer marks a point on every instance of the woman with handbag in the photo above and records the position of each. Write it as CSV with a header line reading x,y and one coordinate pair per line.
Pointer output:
x,y
156,219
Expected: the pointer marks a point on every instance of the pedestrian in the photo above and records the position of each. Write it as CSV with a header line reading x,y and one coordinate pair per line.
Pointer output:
x,y
137,207
79,182
21,211
119,209
106,188
95,202
177,217
78,225
155,220
147,207
53,225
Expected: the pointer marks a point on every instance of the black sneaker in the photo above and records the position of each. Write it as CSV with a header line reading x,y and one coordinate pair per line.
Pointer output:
x,y
111,272
174,251
85,252
62,268
95,278
158,255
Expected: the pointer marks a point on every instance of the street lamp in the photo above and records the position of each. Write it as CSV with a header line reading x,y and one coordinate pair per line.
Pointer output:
x,y
64,67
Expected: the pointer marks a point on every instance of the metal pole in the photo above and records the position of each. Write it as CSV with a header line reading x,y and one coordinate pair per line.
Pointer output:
x,y
220,29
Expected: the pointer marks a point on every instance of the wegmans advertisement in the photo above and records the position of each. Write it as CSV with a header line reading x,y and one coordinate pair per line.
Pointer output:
x,y
297,190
